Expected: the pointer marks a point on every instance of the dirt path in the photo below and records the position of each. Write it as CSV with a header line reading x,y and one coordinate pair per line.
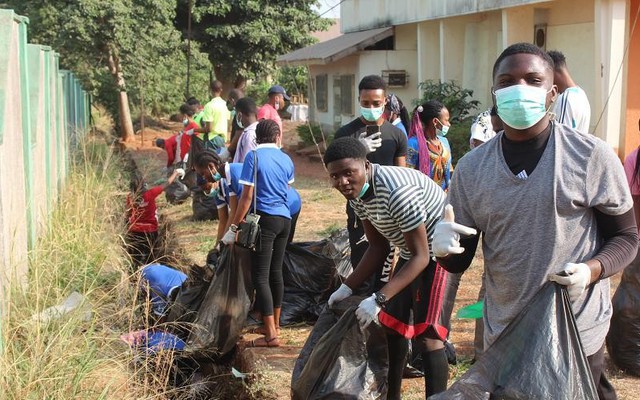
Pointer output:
x,y
323,211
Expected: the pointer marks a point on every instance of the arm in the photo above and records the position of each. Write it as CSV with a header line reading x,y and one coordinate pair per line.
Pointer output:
x,y
233,145
171,179
244,204
418,245
373,258
456,263
233,208
620,245
223,216
400,161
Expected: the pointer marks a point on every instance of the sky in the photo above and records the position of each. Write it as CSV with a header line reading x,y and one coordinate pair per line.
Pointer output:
x,y
327,4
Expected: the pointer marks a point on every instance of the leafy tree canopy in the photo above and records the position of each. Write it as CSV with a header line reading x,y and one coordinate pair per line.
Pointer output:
x,y
243,38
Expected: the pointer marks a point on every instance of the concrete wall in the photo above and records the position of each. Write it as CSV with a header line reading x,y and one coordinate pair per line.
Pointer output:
x,y
632,131
357,15
34,149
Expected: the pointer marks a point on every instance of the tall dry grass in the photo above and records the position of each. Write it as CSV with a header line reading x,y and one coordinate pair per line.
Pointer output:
x,y
74,357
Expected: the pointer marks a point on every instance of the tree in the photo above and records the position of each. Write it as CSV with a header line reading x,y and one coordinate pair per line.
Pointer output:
x,y
114,47
243,38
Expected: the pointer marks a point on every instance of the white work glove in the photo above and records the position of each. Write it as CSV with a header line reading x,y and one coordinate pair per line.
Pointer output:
x,y
342,293
446,235
181,173
578,277
367,312
190,132
371,143
224,154
229,237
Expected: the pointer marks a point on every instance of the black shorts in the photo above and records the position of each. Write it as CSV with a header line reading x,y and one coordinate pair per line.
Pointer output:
x,y
417,307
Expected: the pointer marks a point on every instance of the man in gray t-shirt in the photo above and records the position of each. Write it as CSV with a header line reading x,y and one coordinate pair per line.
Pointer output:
x,y
548,199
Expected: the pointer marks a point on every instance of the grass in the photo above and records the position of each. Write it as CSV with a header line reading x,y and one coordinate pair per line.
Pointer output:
x,y
72,357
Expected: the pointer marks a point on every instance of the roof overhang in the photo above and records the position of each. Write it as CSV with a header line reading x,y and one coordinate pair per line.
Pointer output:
x,y
335,49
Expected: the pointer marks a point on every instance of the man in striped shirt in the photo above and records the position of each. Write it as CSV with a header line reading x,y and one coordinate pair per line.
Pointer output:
x,y
398,206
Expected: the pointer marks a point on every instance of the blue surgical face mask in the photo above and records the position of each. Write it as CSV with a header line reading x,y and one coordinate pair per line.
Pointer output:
x,y
372,114
239,121
521,106
213,192
365,187
216,177
442,131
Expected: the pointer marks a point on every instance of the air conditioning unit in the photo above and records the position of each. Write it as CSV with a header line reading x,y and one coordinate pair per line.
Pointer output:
x,y
395,78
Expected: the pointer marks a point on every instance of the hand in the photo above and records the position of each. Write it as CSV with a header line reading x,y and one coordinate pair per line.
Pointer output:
x,y
180,173
229,237
224,154
367,312
446,235
342,293
576,277
371,143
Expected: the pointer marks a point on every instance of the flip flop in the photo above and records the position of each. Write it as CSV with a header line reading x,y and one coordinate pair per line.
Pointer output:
x,y
263,342
261,330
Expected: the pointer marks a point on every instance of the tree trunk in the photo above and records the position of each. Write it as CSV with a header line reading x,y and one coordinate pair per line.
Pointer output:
x,y
126,125
229,81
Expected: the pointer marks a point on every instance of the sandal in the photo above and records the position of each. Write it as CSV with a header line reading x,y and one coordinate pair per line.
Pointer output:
x,y
264,342
262,330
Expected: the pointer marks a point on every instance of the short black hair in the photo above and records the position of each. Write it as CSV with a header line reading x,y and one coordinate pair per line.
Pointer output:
x,y
494,111
187,109
344,147
522,48
235,94
372,82
207,156
559,60
246,106
192,101
216,86
429,110
267,131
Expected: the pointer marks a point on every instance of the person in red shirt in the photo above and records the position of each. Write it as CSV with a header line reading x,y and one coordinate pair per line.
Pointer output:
x,y
277,96
142,231
190,129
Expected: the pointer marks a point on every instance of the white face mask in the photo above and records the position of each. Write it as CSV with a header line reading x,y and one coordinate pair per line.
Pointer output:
x,y
239,121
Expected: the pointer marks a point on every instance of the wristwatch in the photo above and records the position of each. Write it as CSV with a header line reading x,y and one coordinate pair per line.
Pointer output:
x,y
233,228
381,299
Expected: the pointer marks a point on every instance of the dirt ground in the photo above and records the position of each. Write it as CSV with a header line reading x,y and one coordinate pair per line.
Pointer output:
x,y
322,212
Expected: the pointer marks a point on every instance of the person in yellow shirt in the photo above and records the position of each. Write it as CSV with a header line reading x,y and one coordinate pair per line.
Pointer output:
x,y
215,119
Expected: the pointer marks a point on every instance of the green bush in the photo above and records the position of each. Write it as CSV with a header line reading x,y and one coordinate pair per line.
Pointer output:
x,y
458,137
307,133
453,96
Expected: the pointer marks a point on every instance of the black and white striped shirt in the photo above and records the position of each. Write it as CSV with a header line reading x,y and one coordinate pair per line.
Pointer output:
x,y
403,199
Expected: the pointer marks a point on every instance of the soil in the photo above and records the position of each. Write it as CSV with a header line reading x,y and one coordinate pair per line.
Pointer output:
x,y
323,211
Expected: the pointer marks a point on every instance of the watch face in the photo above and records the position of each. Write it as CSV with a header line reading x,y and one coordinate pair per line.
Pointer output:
x,y
381,299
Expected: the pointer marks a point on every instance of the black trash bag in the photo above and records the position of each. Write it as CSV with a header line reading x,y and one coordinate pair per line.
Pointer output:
x,y
537,356
204,208
184,310
177,192
337,248
225,307
623,339
346,363
309,279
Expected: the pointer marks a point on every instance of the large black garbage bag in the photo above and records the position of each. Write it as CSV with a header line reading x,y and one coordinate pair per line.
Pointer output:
x,y
309,278
225,307
537,356
184,310
204,208
337,248
623,339
177,192
345,363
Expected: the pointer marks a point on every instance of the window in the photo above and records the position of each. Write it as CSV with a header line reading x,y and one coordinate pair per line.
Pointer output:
x,y
346,94
322,93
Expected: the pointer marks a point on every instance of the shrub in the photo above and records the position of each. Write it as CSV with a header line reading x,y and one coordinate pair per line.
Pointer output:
x,y
453,96
307,133
458,137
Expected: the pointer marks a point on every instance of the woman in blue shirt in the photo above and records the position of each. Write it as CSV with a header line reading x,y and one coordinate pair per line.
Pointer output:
x,y
427,148
274,175
223,183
